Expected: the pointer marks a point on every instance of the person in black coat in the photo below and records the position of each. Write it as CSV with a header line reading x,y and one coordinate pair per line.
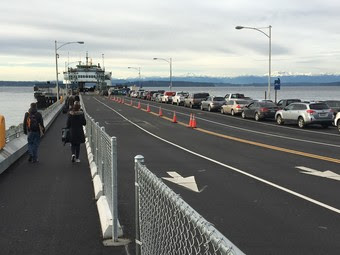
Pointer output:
x,y
75,122
34,128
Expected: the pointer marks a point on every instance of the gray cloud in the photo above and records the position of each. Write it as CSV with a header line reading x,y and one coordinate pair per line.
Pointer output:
x,y
189,31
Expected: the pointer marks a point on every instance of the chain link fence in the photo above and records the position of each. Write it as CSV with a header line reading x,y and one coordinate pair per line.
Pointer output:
x,y
166,224
104,150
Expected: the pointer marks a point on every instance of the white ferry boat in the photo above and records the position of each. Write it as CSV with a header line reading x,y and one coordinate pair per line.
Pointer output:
x,y
87,77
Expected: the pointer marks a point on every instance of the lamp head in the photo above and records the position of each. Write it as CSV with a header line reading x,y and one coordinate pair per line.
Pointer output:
x,y
239,27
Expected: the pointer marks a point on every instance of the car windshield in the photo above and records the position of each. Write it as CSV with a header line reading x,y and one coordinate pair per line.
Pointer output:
x,y
218,99
201,95
267,104
242,102
319,106
333,103
237,95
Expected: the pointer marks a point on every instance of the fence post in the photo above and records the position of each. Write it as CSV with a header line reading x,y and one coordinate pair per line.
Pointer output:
x,y
114,188
2,132
97,143
138,159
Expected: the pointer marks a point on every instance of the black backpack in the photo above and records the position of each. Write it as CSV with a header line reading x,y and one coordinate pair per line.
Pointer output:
x,y
32,123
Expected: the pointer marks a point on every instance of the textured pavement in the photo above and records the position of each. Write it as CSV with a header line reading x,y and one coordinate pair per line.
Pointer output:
x,y
49,207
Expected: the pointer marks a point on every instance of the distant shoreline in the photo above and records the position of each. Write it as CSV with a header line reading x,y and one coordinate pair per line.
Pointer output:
x,y
180,84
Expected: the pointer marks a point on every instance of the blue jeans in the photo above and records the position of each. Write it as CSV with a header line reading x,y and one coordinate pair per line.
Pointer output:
x,y
33,140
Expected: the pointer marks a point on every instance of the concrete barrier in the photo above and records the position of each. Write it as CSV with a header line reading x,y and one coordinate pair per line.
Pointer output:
x,y
17,147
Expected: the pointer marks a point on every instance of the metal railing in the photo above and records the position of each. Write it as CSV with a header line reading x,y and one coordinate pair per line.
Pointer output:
x,y
166,224
104,150
17,131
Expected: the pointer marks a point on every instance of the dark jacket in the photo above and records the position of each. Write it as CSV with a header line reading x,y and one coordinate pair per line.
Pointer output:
x,y
75,122
39,118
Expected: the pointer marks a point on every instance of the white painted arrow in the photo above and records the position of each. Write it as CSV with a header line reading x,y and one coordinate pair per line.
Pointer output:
x,y
325,174
187,182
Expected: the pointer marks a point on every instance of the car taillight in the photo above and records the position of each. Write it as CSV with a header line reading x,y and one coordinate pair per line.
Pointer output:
x,y
310,111
238,106
264,109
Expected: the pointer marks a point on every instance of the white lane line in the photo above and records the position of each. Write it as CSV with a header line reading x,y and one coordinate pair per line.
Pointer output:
x,y
316,202
262,133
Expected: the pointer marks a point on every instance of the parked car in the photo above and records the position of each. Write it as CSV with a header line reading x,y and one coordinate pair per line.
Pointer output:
x,y
334,105
167,96
195,99
212,103
285,102
179,98
305,113
337,121
149,94
259,110
230,96
234,107
159,98
154,96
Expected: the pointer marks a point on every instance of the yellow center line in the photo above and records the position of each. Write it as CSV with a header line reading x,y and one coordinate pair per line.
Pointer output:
x,y
267,146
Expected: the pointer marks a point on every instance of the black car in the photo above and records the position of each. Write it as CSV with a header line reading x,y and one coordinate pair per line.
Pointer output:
x,y
334,105
260,110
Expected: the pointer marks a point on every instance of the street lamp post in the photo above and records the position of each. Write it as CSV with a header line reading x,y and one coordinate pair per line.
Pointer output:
x,y
139,78
56,61
170,62
269,35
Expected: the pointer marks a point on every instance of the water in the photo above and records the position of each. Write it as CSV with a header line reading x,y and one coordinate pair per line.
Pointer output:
x,y
15,101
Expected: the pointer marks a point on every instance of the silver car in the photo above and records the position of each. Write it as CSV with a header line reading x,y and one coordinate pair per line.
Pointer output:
x,y
212,103
234,106
305,113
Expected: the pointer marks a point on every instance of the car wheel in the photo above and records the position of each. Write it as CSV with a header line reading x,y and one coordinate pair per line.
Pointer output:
x,y
301,122
338,125
190,105
177,103
279,120
209,108
202,107
257,117
243,115
232,112
222,111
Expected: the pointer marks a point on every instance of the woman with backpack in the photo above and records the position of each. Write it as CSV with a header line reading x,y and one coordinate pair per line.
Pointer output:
x,y
34,128
75,122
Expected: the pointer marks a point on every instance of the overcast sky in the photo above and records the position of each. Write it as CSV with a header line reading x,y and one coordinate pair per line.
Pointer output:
x,y
199,36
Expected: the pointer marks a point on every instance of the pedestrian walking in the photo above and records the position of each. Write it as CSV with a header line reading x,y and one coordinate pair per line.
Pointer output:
x,y
75,122
34,129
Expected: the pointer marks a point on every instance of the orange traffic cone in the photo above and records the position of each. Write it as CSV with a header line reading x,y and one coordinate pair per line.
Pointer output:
x,y
160,113
193,123
174,118
190,121
148,108
138,107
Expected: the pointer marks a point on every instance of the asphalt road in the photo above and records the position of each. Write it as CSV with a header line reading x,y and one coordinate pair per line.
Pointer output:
x,y
261,184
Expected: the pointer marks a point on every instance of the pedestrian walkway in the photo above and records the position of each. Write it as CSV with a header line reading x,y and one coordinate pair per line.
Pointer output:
x,y
48,207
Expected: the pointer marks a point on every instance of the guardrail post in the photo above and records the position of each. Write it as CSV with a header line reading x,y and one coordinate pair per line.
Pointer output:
x,y
114,188
138,159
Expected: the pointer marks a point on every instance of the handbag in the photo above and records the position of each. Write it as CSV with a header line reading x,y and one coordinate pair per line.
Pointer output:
x,y
65,135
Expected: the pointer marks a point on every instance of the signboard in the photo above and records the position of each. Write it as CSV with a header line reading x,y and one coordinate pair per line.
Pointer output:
x,y
277,84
